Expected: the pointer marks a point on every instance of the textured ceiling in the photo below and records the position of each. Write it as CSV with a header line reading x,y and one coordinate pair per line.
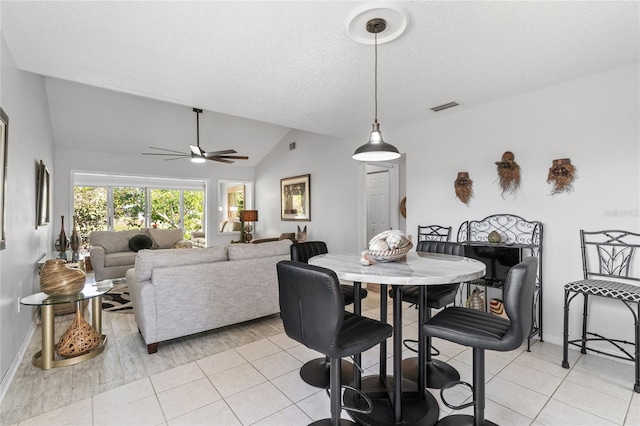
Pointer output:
x,y
293,65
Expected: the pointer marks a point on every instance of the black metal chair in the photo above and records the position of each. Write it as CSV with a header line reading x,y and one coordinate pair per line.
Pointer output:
x,y
608,255
438,296
316,371
312,311
434,233
481,331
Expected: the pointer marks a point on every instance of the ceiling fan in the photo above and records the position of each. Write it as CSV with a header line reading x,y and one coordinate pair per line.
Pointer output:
x,y
197,154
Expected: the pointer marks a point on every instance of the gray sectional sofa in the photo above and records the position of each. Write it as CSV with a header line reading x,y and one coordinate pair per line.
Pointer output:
x,y
176,293
110,254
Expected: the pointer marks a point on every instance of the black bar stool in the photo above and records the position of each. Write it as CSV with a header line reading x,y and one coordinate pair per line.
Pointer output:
x,y
438,372
312,311
316,371
481,331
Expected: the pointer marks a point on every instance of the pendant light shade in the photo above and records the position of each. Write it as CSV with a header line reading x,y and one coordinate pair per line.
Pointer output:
x,y
376,149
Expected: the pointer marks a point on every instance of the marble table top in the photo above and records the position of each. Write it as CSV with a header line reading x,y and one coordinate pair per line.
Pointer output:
x,y
418,268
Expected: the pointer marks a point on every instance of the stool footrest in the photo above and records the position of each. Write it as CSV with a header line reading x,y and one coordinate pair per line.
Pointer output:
x,y
452,384
406,342
367,400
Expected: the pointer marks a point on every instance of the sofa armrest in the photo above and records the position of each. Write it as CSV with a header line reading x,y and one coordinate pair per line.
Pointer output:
x,y
97,255
143,299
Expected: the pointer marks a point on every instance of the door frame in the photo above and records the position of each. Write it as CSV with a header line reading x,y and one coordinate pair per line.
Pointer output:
x,y
394,198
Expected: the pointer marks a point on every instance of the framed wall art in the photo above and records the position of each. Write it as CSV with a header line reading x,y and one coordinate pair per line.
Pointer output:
x,y
295,198
43,204
4,141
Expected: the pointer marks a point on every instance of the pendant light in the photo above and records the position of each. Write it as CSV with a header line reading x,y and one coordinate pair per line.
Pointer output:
x,y
376,149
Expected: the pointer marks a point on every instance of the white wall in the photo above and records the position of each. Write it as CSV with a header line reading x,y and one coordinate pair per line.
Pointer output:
x,y
593,121
335,206
23,98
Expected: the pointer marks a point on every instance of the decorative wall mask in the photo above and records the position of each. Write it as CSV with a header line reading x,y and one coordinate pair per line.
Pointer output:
x,y
561,175
464,187
508,173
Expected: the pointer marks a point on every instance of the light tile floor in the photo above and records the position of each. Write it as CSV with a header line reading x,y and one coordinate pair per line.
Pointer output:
x,y
259,384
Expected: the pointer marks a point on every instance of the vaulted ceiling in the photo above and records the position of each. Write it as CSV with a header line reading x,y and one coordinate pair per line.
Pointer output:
x,y
275,66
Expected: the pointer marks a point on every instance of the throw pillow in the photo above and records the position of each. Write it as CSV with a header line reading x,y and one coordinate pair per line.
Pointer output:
x,y
154,244
180,246
140,242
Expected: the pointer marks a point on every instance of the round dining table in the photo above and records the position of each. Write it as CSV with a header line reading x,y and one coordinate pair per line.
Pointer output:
x,y
396,400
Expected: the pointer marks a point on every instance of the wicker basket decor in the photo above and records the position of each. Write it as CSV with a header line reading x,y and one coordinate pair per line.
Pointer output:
x,y
388,255
79,339
67,308
58,280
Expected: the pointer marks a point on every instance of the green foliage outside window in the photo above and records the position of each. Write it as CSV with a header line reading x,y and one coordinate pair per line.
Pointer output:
x,y
129,210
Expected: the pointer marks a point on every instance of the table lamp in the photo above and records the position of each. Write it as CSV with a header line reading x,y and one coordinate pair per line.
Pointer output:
x,y
245,232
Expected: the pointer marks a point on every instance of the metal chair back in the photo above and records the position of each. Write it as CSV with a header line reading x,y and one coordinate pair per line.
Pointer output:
x,y
434,233
610,254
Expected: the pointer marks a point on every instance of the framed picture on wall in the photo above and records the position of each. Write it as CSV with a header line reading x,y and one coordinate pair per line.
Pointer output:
x,y
43,204
4,141
295,198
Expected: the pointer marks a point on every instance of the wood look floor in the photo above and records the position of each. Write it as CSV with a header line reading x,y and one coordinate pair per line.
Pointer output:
x,y
125,360
248,374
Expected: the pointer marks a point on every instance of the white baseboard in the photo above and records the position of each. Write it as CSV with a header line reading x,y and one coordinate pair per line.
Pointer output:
x,y
13,368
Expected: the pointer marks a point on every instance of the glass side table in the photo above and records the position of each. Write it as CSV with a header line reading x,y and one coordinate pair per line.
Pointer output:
x,y
46,357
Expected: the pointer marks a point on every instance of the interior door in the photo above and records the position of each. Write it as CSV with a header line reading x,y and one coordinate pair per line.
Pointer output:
x,y
378,205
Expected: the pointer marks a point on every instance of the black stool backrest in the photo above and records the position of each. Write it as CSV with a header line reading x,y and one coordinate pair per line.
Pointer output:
x,y
311,305
302,252
518,301
442,247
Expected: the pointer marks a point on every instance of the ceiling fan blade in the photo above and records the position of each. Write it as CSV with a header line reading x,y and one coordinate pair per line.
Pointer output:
x,y
235,157
177,158
173,155
168,150
214,153
220,160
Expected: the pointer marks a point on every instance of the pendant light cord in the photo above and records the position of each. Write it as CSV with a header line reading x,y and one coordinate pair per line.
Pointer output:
x,y
376,75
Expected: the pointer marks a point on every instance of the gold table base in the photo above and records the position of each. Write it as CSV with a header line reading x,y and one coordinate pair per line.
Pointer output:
x,y
45,358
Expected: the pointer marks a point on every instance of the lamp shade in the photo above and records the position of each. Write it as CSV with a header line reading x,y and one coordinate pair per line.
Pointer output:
x,y
249,216
376,149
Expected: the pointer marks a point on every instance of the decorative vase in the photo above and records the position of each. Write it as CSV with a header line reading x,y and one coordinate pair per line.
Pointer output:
x,y
494,237
58,280
62,242
79,339
74,242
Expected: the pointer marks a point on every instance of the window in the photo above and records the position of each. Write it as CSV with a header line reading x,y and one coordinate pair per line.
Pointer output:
x,y
111,202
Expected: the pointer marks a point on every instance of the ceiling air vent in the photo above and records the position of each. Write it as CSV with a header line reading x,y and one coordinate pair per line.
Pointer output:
x,y
444,106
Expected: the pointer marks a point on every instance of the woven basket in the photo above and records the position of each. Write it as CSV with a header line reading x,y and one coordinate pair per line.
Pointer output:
x,y
388,255
67,308
79,339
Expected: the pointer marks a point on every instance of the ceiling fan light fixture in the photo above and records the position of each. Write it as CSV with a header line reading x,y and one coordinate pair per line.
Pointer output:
x,y
376,149
197,159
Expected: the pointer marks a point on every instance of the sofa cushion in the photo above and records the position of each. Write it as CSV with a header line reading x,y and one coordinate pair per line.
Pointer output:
x,y
166,238
122,258
146,260
252,251
111,241
154,244
139,242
